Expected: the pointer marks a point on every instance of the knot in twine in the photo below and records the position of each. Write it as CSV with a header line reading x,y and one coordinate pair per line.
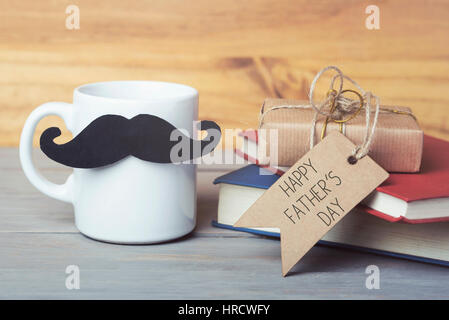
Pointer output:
x,y
340,109
342,106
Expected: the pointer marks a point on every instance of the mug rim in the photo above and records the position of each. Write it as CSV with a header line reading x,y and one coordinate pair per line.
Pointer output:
x,y
178,91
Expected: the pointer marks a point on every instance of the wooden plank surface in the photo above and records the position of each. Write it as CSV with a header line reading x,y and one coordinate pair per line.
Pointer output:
x,y
38,240
234,52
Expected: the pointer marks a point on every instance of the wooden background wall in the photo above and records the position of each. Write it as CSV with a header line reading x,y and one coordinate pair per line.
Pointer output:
x,y
234,52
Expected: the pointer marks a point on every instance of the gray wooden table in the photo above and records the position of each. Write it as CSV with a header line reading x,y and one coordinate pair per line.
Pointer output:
x,y
38,240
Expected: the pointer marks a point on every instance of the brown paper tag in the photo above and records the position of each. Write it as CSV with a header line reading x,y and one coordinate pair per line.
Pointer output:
x,y
313,196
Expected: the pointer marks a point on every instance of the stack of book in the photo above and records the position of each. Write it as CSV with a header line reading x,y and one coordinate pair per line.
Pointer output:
x,y
404,217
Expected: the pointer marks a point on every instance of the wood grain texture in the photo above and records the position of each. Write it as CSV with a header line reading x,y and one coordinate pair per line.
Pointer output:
x,y
234,52
38,240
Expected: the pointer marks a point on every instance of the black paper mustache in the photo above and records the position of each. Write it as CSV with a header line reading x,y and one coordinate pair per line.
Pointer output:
x,y
111,138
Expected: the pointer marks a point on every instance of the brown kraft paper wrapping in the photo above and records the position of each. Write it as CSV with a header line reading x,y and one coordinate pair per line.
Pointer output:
x,y
397,144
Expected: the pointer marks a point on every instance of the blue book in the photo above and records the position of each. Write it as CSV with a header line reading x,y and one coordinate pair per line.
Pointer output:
x,y
359,230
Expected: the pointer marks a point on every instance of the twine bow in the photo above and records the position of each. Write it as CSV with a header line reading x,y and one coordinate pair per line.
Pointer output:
x,y
341,106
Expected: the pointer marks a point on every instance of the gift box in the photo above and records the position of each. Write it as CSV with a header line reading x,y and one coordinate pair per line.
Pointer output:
x,y
396,146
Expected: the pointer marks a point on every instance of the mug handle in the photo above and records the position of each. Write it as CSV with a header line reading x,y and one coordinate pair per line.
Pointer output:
x,y
64,110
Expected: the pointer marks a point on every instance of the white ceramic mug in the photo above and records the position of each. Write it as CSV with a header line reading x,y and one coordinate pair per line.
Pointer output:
x,y
130,201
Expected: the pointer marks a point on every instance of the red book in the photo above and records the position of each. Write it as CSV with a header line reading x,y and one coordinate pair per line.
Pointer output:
x,y
409,197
